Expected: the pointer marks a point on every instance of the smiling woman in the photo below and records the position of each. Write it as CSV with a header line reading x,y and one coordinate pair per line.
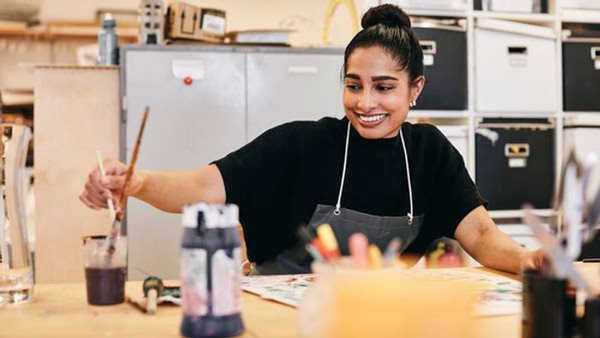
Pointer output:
x,y
377,93
383,73
370,172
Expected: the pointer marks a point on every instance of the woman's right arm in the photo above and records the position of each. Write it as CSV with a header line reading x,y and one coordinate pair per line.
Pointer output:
x,y
165,190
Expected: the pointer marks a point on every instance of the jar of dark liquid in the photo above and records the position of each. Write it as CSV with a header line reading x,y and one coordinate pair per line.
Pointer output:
x,y
211,271
105,270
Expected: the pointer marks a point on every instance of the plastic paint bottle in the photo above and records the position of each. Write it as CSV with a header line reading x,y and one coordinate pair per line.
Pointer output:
x,y
108,42
211,271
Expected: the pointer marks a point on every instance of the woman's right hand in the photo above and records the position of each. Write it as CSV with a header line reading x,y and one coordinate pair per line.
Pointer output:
x,y
98,189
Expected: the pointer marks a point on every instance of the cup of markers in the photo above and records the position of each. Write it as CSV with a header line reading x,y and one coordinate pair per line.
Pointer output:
x,y
361,295
337,275
324,249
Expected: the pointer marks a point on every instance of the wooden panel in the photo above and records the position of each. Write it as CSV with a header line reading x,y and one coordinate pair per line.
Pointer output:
x,y
76,113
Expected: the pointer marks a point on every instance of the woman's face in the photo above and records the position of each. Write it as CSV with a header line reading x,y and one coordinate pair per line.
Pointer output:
x,y
377,94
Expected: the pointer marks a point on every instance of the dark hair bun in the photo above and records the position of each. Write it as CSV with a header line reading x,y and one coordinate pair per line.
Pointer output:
x,y
388,15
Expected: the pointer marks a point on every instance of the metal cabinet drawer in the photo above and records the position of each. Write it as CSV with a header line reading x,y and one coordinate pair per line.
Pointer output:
x,y
286,87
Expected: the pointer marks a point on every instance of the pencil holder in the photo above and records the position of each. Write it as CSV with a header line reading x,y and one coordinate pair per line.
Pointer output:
x,y
548,307
387,302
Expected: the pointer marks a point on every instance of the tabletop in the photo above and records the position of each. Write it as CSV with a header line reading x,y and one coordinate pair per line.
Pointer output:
x,y
61,310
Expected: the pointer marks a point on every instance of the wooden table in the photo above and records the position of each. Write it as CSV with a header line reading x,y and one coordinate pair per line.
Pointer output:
x,y
61,310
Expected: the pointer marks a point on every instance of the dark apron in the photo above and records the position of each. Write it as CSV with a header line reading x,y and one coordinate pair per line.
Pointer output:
x,y
380,230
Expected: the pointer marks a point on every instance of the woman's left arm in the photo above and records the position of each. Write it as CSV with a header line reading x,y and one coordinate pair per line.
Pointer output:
x,y
479,236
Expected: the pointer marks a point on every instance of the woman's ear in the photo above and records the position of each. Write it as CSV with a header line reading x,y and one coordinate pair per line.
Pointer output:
x,y
416,87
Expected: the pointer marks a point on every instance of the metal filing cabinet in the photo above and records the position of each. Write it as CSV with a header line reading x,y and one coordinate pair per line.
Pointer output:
x,y
206,101
444,44
284,87
516,67
197,114
515,162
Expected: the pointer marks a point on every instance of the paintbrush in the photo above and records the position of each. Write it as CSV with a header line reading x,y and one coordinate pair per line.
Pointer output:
x,y
109,201
115,229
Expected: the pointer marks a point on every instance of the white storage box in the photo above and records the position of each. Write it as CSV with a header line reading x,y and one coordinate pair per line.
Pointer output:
x,y
524,6
515,67
580,4
458,136
452,5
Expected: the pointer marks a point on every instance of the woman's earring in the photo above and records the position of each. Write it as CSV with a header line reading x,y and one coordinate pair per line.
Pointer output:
x,y
413,103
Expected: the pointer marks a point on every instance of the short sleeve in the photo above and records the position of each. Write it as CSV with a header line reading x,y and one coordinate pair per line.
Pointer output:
x,y
455,194
257,178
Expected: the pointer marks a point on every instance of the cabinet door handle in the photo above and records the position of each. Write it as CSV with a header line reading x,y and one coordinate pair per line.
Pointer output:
x,y
595,51
428,46
516,150
520,50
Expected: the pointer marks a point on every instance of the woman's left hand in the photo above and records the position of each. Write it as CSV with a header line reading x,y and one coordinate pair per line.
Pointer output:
x,y
534,260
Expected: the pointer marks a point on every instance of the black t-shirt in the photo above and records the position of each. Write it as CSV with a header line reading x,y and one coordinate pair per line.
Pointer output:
x,y
278,179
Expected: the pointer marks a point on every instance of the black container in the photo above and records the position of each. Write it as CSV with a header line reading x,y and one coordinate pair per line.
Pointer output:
x,y
211,272
591,319
445,66
548,309
581,74
515,162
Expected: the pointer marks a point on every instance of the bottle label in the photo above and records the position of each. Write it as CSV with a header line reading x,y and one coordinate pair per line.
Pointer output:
x,y
226,282
194,291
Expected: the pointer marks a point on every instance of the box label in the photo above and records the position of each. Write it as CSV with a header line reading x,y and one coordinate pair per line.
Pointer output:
x,y
213,24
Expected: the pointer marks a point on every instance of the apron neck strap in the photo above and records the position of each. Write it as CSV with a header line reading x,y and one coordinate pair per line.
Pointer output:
x,y
338,205
410,195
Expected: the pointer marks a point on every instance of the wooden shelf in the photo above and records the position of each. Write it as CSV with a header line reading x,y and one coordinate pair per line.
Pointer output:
x,y
497,214
438,114
513,16
527,115
65,30
437,13
581,118
580,16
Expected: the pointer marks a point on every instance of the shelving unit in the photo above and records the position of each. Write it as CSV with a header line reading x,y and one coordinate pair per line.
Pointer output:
x,y
554,19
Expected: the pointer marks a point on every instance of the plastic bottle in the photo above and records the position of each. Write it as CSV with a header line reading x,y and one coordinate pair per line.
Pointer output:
x,y
108,42
211,271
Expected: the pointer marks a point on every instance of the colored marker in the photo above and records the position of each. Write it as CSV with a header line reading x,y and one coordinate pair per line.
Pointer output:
x,y
314,252
308,237
326,235
391,251
375,259
320,247
432,257
358,245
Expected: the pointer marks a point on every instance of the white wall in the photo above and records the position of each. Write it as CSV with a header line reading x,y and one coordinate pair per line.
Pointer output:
x,y
306,16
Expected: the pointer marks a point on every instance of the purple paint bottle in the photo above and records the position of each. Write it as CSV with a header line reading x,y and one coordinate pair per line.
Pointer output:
x,y
211,271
